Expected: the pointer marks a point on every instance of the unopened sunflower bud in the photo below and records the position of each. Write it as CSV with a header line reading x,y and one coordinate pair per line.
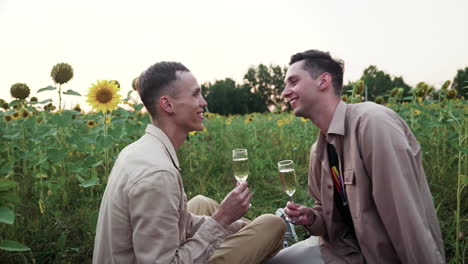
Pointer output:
x,y
19,91
446,85
379,100
452,94
62,73
359,88
135,84
394,92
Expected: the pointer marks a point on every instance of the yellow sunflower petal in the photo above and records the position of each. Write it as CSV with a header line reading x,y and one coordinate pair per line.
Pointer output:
x,y
103,96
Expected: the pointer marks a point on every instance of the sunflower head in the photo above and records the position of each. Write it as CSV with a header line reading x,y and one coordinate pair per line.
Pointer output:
x,y
103,96
24,113
379,100
49,107
421,89
359,88
16,115
451,94
280,123
344,98
62,73
135,83
91,123
19,90
116,83
446,85
33,99
77,108
7,118
5,106
394,92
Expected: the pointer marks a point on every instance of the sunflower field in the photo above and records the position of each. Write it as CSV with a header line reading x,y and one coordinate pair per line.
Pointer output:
x,y
54,164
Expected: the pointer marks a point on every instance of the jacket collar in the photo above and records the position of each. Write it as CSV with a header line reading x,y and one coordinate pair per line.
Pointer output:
x,y
337,127
158,133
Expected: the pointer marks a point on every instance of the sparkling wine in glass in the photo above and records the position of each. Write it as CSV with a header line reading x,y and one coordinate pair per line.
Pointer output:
x,y
288,177
240,165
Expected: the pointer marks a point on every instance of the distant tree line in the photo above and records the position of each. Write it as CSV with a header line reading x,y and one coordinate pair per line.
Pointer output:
x,y
260,90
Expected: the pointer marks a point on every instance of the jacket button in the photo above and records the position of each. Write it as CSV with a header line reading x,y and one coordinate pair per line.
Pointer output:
x,y
329,186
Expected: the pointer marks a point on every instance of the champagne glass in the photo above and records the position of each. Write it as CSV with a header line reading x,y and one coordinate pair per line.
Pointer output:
x,y
288,181
288,177
240,164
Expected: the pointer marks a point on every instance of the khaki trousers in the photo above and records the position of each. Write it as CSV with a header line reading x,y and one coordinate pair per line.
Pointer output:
x,y
256,242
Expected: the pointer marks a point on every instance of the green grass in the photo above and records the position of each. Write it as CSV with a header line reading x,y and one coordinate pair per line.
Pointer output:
x,y
59,165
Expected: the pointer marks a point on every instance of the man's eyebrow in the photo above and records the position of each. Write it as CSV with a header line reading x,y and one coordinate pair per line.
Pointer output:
x,y
289,79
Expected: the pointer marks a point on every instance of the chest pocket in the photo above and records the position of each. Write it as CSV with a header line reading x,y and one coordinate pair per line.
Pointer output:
x,y
349,181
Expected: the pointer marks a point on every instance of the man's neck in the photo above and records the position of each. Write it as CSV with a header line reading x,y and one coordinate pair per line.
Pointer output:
x,y
176,137
323,118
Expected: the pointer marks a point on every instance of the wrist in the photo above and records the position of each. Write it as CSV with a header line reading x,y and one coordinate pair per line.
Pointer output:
x,y
219,217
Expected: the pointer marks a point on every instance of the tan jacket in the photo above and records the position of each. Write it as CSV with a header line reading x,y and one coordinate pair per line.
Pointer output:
x,y
390,201
143,216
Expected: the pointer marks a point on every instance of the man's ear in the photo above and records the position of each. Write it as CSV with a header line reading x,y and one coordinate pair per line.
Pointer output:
x,y
325,80
166,105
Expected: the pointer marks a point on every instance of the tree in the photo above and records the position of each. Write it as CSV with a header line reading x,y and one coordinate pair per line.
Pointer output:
x,y
226,97
380,83
460,82
268,83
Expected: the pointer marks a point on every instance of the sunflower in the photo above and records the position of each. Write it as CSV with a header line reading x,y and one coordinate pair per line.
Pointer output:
x,y
24,113
7,118
228,120
91,124
280,123
103,96
16,115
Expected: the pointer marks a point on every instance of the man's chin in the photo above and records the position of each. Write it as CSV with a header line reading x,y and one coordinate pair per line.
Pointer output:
x,y
200,128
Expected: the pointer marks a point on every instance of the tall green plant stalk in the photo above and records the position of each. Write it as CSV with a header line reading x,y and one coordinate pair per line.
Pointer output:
x,y
460,185
60,97
106,149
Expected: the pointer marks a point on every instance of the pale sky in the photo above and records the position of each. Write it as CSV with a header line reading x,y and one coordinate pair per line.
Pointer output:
x,y
421,40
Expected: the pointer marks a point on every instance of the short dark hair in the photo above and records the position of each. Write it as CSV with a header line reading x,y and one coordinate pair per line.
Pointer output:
x,y
156,80
317,62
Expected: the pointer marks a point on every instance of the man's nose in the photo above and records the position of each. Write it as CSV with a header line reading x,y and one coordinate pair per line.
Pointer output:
x,y
286,92
203,102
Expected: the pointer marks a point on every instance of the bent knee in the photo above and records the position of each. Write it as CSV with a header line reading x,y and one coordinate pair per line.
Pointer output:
x,y
273,223
199,198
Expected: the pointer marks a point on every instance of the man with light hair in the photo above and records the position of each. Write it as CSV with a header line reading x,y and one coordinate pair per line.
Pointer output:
x,y
144,216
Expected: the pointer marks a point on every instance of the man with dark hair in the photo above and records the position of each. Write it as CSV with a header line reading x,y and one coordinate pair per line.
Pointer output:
x,y
144,216
372,199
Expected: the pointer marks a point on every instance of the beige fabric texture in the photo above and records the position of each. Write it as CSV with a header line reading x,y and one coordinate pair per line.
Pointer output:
x,y
390,201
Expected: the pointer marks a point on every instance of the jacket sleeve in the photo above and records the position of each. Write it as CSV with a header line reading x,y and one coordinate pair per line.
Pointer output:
x,y
159,224
391,156
317,228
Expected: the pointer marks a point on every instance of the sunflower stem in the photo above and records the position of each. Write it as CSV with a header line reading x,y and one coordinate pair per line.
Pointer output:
x,y
60,97
106,150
